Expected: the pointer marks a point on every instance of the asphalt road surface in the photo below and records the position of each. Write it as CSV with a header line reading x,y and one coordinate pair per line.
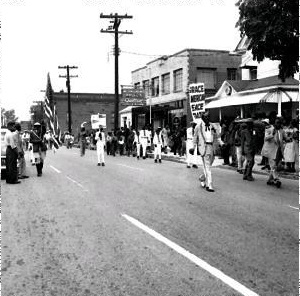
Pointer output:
x,y
138,228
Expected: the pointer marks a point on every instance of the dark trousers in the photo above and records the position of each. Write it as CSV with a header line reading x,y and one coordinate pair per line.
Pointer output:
x,y
108,148
11,165
39,167
225,153
113,148
249,165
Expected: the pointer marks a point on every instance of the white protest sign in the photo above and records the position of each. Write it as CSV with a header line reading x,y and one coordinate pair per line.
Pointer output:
x,y
197,100
98,119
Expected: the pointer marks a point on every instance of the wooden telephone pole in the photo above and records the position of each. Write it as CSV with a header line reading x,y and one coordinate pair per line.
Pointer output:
x,y
116,21
69,95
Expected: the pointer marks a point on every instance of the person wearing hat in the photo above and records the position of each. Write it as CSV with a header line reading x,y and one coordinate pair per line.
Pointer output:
x,y
38,147
205,136
100,138
190,158
11,155
158,144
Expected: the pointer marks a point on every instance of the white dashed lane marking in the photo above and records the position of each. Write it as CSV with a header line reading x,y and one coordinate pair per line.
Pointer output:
x,y
199,262
55,169
77,183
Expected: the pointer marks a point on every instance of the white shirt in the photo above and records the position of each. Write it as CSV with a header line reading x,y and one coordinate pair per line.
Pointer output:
x,y
10,139
209,136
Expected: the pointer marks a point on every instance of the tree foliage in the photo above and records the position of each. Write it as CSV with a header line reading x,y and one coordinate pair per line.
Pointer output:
x,y
273,29
36,112
8,115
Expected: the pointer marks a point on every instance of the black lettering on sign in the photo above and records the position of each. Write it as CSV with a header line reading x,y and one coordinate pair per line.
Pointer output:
x,y
196,98
197,89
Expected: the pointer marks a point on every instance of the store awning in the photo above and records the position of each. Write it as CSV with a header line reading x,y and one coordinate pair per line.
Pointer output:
x,y
254,98
236,100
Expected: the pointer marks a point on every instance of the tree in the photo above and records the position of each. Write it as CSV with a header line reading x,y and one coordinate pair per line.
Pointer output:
x,y
36,112
7,115
273,29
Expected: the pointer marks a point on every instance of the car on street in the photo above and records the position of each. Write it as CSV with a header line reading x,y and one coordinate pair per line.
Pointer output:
x,y
3,152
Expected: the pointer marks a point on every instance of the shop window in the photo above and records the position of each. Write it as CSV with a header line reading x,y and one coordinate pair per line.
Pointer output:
x,y
253,73
146,87
155,87
231,74
166,83
177,80
207,76
137,85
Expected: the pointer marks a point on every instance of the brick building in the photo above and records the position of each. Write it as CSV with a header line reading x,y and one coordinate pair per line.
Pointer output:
x,y
166,81
83,105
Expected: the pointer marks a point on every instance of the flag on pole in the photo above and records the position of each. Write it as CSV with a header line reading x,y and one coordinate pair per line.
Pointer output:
x,y
52,115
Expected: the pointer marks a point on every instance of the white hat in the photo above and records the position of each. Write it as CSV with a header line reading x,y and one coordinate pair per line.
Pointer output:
x,y
266,120
36,124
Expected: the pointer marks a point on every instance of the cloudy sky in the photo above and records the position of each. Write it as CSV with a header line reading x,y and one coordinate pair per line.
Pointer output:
x,y
37,36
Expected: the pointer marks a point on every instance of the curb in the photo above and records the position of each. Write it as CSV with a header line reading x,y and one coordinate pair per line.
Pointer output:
x,y
225,167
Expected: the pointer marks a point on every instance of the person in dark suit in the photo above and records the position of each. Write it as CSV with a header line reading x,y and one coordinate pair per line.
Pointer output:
x,y
248,149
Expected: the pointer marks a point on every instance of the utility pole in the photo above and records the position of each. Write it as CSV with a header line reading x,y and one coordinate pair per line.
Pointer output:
x,y
68,76
116,21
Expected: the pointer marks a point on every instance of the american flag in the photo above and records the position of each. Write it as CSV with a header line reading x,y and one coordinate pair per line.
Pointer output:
x,y
52,115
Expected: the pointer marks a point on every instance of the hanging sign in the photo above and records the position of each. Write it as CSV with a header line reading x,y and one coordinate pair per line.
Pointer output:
x,y
197,100
132,96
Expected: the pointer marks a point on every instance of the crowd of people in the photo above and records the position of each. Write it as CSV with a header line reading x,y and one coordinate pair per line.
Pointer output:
x,y
237,142
17,142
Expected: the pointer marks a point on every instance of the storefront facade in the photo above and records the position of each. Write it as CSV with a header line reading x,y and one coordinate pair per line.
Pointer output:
x,y
166,80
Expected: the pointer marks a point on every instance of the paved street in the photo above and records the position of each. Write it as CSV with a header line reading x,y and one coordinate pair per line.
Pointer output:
x,y
138,228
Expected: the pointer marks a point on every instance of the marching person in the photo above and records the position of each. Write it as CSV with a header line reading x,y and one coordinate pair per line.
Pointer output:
x,y
158,144
100,138
144,140
273,149
205,136
22,162
39,147
11,155
190,158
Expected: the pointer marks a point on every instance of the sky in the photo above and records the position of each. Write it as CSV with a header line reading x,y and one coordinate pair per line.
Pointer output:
x,y
37,36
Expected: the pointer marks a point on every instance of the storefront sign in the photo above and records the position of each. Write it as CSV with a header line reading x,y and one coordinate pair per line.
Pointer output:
x,y
133,96
197,100
97,120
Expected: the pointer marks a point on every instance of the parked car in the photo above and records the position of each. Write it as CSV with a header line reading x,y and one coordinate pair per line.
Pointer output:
x,y
3,152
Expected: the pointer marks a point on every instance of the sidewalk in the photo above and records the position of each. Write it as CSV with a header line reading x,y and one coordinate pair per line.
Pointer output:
x,y
218,162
